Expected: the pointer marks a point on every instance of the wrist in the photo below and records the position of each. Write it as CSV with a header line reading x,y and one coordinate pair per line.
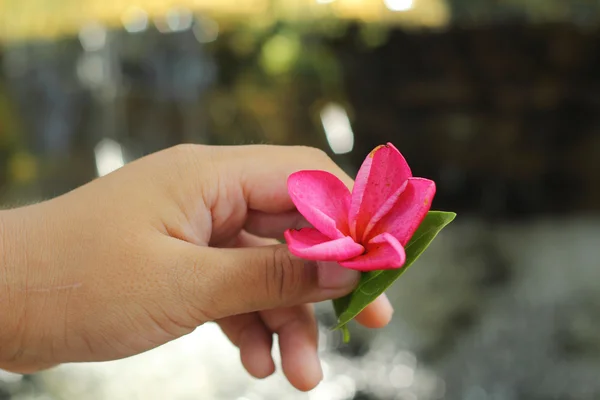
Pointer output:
x,y
26,311
10,302
20,245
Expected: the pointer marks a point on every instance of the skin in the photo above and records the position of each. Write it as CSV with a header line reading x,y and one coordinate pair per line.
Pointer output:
x,y
165,244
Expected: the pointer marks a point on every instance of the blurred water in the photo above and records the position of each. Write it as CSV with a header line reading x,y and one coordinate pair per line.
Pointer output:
x,y
502,312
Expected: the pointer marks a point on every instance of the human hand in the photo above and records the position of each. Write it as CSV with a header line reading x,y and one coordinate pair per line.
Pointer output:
x,y
148,253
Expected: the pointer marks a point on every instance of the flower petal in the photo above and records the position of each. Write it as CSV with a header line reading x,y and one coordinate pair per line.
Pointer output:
x,y
382,173
323,200
407,214
389,203
382,252
310,244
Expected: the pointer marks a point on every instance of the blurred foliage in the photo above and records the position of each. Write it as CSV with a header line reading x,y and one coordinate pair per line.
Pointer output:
x,y
466,104
16,165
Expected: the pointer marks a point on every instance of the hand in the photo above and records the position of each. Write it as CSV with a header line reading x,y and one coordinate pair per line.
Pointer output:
x,y
148,253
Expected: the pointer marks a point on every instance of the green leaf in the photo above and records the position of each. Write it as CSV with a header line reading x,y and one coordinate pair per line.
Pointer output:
x,y
373,284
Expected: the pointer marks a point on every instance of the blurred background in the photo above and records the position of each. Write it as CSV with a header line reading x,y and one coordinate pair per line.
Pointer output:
x,y
497,101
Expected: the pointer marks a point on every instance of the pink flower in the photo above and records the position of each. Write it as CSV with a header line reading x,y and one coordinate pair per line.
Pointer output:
x,y
367,229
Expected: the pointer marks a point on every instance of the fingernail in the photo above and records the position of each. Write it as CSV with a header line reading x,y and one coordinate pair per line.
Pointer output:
x,y
334,276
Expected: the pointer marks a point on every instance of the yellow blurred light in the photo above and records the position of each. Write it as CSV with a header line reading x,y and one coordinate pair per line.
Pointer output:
x,y
36,19
22,167
280,53
398,5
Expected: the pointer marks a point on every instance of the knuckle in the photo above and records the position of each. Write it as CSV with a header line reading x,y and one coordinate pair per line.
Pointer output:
x,y
196,164
316,153
189,155
285,279
320,158
186,149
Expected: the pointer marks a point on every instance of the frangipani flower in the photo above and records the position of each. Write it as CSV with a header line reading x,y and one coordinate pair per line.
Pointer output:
x,y
367,229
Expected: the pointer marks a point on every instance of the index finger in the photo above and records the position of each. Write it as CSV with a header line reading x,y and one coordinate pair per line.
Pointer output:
x,y
263,170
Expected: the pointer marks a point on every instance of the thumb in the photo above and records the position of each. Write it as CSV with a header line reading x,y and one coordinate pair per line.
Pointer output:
x,y
228,282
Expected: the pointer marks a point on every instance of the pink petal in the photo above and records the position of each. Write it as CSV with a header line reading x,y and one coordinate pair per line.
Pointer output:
x,y
408,212
382,252
310,244
382,173
389,203
323,200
